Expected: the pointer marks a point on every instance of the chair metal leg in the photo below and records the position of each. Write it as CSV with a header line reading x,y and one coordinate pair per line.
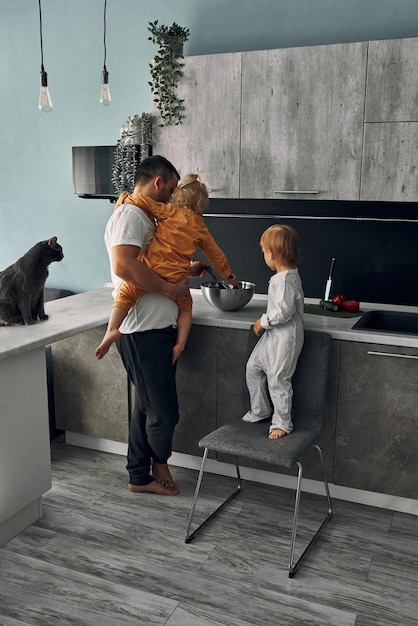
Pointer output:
x,y
237,490
294,565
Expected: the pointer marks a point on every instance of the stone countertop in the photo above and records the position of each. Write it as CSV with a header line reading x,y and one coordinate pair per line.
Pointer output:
x,y
76,314
67,316
338,327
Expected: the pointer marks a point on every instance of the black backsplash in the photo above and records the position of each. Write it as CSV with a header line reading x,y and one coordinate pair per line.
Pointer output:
x,y
375,245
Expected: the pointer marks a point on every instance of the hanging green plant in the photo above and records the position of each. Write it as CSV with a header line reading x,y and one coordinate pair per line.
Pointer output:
x,y
167,69
134,145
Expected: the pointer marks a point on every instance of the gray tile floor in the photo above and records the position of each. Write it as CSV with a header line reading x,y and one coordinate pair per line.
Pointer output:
x,y
103,556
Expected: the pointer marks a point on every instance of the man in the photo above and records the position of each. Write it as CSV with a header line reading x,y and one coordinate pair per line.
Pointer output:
x,y
148,333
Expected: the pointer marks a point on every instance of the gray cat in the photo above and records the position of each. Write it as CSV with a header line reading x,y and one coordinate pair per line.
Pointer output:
x,y
22,284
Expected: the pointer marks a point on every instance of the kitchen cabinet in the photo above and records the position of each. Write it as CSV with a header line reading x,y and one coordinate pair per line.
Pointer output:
x,y
288,123
377,419
389,169
319,122
208,140
390,164
302,122
392,77
196,390
25,466
90,396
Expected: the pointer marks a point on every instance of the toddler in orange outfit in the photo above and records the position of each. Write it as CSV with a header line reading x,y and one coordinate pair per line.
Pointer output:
x,y
180,231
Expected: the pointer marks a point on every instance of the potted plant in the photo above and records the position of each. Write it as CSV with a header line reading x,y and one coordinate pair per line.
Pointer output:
x,y
133,146
167,69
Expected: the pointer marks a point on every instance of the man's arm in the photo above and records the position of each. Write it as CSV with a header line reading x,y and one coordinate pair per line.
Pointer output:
x,y
126,265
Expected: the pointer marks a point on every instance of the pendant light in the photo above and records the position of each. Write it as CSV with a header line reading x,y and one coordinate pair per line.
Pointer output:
x,y
105,98
45,102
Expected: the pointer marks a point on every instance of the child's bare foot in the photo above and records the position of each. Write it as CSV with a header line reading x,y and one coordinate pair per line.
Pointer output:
x,y
277,433
161,473
110,337
154,487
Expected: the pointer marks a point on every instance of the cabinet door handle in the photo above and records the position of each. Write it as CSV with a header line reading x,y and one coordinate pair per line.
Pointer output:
x,y
394,354
298,191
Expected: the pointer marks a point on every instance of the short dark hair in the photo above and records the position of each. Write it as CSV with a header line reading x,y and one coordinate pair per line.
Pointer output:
x,y
155,166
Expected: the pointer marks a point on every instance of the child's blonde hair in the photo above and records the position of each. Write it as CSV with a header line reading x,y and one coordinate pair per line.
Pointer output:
x,y
191,193
282,240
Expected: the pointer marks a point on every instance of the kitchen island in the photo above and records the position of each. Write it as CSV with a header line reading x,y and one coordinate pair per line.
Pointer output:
x,y
25,469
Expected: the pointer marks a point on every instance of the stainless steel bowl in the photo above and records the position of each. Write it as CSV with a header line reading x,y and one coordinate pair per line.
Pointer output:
x,y
228,299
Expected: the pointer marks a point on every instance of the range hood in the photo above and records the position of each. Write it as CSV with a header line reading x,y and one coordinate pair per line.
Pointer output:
x,y
92,172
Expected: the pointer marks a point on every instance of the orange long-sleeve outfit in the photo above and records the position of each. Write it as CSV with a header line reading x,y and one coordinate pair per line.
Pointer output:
x,y
180,231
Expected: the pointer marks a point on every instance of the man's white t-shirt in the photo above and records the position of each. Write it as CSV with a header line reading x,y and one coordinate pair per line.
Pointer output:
x,y
130,225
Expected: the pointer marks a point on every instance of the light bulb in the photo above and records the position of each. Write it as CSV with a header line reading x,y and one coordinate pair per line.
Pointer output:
x,y
105,98
45,102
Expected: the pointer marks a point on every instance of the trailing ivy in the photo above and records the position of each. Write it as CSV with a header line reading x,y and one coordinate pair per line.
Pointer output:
x,y
133,146
167,69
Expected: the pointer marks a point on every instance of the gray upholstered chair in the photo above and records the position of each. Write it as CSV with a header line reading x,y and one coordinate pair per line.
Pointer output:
x,y
242,439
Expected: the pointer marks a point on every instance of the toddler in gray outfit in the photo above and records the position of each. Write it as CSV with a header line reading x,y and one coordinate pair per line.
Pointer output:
x,y
272,363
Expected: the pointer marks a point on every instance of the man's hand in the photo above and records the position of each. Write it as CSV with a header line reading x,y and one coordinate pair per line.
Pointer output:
x,y
258,329
197,269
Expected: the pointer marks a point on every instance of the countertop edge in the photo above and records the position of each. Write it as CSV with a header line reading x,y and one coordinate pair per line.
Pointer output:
x,y
85,311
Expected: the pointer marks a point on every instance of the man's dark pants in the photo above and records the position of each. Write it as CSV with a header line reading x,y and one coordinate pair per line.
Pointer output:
x,y
147,359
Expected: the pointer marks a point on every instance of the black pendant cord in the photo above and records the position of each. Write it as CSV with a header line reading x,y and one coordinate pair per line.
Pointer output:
x,y
104,33
40,33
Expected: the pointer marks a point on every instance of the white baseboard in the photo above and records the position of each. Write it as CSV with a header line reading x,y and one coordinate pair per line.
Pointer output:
x,y
177,459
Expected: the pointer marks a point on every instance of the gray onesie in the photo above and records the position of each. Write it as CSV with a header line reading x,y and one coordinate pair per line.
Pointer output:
x,y
272,363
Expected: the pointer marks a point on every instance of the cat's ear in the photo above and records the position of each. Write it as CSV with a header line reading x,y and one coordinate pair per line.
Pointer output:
x,y
52,242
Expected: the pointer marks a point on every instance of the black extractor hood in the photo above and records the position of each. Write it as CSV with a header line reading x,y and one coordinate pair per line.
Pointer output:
x,y
92,172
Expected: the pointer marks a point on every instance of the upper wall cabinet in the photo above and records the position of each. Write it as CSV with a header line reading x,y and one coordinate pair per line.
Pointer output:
x,y
392,81
322,122
208,141
389,170
302,122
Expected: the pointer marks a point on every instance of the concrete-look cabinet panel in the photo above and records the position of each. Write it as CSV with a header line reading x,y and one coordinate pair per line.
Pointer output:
x,y
208,140
389,162
90,396
302,122
377,419
389,169
196,390
392,78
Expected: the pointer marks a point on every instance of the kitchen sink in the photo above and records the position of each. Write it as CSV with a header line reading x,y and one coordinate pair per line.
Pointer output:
x,y
388,322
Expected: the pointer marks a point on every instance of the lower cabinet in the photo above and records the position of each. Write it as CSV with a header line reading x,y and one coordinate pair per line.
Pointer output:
x,y
377,424
90,396
370,436
196,390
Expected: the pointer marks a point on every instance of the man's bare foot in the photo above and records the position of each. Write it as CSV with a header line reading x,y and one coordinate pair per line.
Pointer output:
x,y
154,487
277,433
161,473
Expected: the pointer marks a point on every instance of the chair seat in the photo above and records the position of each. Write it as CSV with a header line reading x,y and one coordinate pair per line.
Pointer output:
x,y
250,440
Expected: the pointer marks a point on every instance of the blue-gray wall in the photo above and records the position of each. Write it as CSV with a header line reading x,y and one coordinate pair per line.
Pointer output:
x,y
36,198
